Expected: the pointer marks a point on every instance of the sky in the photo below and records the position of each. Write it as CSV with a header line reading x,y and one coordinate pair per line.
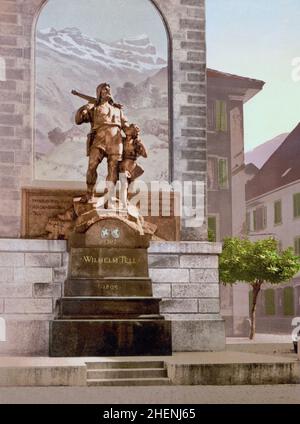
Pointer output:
x,y
108,20
259,39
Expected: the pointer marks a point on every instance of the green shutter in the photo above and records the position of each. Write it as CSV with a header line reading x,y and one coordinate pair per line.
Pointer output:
x,y
221,116
277,212
297,246
288,301
223,173
264,217
269,302
248,222
254,221
297,205
218,115
211,115
212,228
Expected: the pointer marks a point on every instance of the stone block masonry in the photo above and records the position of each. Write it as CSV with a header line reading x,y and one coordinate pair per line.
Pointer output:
x,y
32,273
185,275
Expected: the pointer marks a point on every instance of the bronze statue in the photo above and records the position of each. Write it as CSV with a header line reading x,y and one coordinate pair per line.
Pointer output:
x,y
105,139
129,170
113,138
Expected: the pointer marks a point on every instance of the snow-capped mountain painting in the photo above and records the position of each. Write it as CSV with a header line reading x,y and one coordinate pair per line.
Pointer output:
x,y
67,59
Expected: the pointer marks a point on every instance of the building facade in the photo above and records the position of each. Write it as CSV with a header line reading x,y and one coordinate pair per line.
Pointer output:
x,y
227,95
273,210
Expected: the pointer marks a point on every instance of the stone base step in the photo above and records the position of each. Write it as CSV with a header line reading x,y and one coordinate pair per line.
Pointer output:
x,y
108,287
124,364
130,382
108,317
72,338
100,307
126,373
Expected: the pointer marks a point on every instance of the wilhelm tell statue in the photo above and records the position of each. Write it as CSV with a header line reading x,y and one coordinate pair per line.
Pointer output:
x,y
105,140
113,138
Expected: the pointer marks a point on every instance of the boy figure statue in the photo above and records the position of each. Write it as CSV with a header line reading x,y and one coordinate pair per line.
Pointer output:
x,y
128,168
105,139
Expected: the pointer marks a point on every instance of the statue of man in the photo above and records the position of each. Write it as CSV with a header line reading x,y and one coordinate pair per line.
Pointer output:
x,y
105,139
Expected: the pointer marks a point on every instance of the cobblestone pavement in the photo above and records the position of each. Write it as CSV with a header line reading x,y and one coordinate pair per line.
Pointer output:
x,y
278,394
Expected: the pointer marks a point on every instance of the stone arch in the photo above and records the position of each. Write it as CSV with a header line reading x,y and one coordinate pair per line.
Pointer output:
x,y
165,23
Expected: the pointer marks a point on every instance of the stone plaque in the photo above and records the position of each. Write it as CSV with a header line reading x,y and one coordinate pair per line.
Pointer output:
x,y
108,262
38,205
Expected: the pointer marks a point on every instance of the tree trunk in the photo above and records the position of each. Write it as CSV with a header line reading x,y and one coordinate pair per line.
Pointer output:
x,y
256,289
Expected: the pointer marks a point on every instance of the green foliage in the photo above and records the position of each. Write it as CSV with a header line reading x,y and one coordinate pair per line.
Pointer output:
x,y
259,261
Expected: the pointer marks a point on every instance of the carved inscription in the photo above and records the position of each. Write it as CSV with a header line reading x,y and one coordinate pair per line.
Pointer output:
x,y
40,205
117,260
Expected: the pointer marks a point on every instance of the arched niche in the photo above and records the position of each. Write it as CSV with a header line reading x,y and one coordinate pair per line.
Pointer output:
x,y
74,52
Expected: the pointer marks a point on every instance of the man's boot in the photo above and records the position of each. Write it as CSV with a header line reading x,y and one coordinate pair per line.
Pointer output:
x,y
90,193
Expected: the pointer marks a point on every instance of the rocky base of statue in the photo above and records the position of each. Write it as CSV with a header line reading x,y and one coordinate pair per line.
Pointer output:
x,y
82,215
108,308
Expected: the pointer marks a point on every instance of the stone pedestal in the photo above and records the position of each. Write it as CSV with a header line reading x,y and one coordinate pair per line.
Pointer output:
x,y
108,308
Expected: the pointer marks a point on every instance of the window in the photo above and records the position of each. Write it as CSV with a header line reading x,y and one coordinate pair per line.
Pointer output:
x,y
297,205
223,173
260,218
217,173
277,213
217,118
248,222
212,228
288,301
221,116
297,246
269,302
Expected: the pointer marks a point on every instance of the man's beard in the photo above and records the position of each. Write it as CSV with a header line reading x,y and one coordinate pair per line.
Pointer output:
x,y
108,98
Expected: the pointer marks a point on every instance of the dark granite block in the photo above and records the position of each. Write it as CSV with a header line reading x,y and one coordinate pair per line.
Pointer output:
x,y
108,287
110,338
101,307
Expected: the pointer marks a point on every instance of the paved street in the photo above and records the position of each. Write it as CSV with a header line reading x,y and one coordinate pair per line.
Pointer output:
x,y
279,394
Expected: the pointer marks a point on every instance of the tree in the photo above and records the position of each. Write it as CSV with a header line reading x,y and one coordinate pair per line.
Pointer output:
x,y
256,263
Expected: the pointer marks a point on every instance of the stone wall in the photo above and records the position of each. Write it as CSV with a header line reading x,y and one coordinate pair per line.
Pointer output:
x,y
185,20
31,276
185,275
